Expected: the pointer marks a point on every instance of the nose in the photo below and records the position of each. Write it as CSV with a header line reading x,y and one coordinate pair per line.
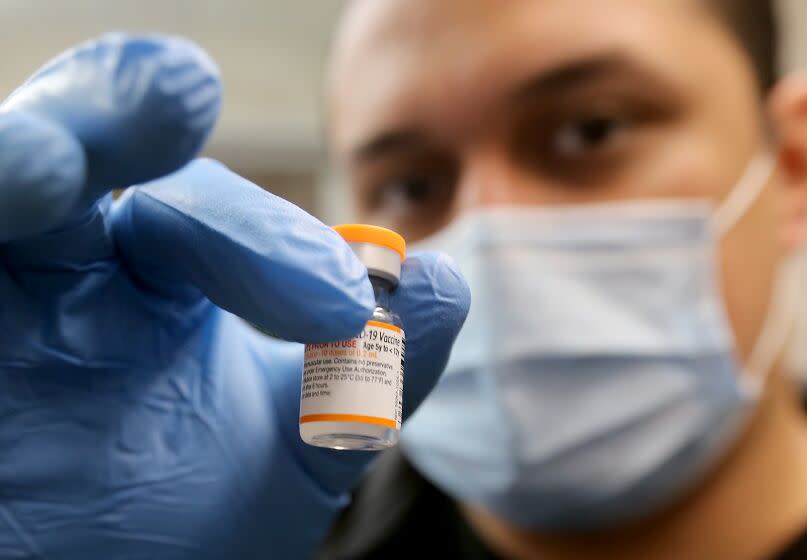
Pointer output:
x,y
489,177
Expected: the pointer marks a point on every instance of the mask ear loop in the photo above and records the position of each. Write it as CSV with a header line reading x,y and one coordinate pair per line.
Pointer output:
x,y
781,316
777,326
744,194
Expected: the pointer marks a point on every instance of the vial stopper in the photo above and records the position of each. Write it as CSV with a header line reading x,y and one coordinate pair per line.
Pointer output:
x,y
380,249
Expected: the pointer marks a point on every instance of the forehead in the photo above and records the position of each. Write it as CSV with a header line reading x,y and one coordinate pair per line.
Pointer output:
x,y
406,63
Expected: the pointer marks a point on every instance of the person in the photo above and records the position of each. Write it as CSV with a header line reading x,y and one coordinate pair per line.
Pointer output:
x,y
141,416
624,185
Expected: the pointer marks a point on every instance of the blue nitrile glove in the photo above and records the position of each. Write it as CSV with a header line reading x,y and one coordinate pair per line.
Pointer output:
x,y
139,416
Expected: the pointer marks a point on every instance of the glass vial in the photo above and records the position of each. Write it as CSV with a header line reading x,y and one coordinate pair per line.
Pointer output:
x,y
352,389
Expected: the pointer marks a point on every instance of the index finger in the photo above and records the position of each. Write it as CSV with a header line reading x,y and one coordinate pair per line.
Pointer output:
x,y
205,230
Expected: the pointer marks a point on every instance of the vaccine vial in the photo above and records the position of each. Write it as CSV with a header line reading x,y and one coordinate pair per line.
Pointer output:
x,y
352,389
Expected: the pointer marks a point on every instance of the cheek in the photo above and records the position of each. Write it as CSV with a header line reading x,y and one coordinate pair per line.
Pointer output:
x,y
749,254
684,161
689,165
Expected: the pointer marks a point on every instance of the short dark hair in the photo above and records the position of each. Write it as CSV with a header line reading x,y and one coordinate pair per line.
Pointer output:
x,y
753,22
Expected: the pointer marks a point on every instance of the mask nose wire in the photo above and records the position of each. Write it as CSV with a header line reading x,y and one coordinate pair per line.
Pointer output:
x,y
745,193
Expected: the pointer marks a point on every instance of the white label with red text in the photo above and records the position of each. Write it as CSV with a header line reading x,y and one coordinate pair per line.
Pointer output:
x,y
355,380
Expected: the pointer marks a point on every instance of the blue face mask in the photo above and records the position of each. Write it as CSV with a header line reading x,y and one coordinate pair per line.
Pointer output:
x,y
596,377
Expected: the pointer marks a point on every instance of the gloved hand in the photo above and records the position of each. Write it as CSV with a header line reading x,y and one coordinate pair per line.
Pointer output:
x,y
139,416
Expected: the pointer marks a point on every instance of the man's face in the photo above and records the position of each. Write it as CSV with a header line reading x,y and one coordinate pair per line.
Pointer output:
x,y
439,108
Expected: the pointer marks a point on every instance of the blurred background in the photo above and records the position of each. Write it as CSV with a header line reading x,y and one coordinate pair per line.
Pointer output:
x,y
271,54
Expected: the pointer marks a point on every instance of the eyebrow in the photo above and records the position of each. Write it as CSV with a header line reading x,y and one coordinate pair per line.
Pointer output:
x,y
390,142
580,72
565,76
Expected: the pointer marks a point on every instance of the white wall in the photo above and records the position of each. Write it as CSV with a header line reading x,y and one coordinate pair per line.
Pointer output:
x,y
793,21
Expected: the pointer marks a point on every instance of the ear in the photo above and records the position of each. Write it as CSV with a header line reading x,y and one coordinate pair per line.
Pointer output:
x,y
787,104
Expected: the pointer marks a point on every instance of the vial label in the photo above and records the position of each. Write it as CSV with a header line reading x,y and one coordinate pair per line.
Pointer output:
x,y
355,380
